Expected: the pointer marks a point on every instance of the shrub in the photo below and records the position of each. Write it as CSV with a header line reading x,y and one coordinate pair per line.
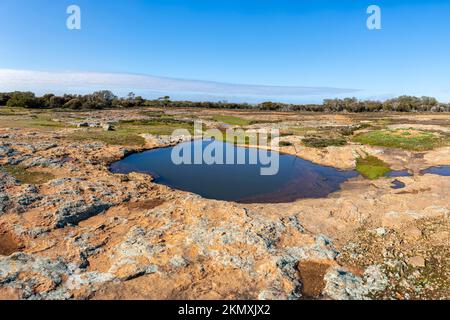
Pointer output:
x,y
285,144
4,98
23,100
74,104
316,142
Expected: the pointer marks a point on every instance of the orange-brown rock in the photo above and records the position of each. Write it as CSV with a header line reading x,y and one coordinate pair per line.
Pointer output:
x,y
90,234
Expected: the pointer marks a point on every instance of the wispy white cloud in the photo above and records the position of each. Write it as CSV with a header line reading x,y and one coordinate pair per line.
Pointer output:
x,y
81,82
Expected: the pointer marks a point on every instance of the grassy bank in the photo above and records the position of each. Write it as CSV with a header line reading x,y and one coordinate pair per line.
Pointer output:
x,y
232,121
127,133
119,137
413,140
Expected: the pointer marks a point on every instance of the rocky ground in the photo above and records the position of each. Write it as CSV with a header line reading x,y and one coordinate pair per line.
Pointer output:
x,y
81,232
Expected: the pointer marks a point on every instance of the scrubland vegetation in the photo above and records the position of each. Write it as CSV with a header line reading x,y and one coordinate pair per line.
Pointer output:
x,y
403,139
106,99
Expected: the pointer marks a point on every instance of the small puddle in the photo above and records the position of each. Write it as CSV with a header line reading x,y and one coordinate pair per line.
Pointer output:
x,y
297,178
398,174
8,245
439,170
397,184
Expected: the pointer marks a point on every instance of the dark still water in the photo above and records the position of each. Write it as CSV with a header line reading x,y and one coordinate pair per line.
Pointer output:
x,y
439,170
296,178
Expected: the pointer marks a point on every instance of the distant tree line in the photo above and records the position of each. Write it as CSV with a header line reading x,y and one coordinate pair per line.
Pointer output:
x,y
106,99
97,100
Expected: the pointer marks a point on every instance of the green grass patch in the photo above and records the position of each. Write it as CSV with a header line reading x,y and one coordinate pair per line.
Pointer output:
x,y
233,121
317,142
117,138
154,126
237,138
301,131
163,120
236,121
372,168
402,139
26,176
33,122
7,111
46,122
153,114
127,133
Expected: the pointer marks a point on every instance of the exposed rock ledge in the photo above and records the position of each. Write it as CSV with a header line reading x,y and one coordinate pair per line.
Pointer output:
x,y
89,234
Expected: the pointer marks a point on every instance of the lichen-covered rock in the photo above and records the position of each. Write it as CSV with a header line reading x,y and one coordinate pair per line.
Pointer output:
x,y
73,212
4,202
33,277
43,162
7,151
343,285
107,127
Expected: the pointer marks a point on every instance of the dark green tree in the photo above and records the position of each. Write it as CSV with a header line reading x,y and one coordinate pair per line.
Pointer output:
x,y
23,100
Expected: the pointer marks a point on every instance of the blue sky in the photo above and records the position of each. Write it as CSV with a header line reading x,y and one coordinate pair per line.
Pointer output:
x,y
321,47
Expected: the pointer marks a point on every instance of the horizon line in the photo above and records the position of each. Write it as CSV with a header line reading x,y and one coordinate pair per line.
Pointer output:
x,y
81,81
